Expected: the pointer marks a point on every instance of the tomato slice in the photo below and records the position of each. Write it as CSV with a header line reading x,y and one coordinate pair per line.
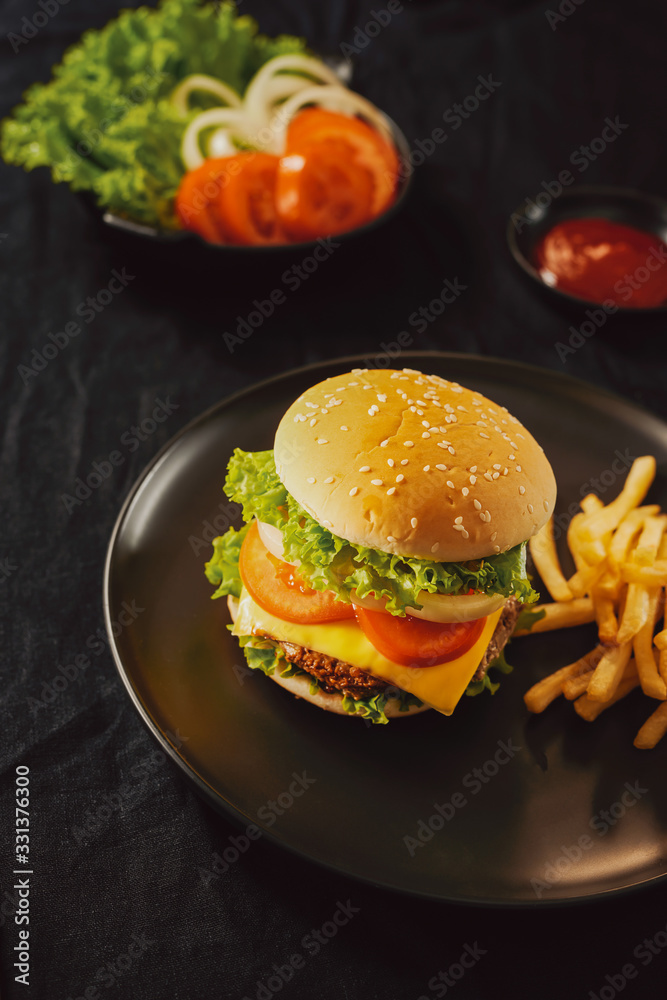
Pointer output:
x,y
277,587
197,196
363,144
321,190
246,204
413,642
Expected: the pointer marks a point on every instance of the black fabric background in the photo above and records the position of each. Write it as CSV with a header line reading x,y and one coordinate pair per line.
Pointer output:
x,y
138,873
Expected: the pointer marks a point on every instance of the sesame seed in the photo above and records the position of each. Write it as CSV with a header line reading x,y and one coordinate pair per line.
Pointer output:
x,y
477,504
458,527
373,410
395,375
495,475
511,457
353,492
546,504
324,411
487,475
505,471
404,461
391,463
413,409
383,444
473,480
427,468
494,536
391,491
328,395
441,468
390,538
450,484
381,396
414,522
518,468
522,490
530,508
458,520
313,421
465,491
473,468
434,548
313,406
408,444
451,450
322,441
353,383
497,467
441,444
487,516
329,479
482,515
377,482
425,434
365,468
400,478
425,423
343,427
311,479
421,412
483,435
496,548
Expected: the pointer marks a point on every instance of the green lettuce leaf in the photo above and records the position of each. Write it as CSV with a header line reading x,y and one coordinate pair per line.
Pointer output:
x,y
264,655
528,618
222,569
328,562
487,684
103,123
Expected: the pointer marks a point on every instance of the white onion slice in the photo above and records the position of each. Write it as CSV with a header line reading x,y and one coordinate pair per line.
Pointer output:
x,y
255,100
202,82
273,540
221,143
442,608
191,154
334,98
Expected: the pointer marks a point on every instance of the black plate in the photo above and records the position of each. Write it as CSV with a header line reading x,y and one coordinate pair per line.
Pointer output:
x,y
534,813
536,217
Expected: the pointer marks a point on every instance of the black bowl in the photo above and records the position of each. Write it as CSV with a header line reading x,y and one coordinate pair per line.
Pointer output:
x,y
188,249
530,222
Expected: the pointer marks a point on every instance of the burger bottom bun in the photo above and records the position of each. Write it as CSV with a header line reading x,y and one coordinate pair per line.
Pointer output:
x,y
299,686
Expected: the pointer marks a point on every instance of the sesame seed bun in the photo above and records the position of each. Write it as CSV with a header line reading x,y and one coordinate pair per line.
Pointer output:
x,y
414,465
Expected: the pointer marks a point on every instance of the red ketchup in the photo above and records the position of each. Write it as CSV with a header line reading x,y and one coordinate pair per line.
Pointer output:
x,y
605,262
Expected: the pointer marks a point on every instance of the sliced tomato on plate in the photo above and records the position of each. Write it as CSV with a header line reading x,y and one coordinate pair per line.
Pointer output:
x,y
246,205
197,199
413,642
321,190
361,143
277,587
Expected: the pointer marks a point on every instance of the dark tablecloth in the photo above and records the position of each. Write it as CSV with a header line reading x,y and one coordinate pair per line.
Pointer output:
x,y
118,904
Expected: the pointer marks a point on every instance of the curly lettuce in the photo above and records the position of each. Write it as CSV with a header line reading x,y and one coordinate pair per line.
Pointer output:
x,y
328,562
104,124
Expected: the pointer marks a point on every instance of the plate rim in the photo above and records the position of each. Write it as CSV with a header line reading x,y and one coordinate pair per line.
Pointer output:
x,y
215,799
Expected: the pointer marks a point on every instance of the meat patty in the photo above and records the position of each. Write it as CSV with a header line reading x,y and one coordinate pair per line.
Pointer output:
x,y
338,677
335,676
502,632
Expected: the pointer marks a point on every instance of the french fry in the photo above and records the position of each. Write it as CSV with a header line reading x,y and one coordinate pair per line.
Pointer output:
x,y
660,639
574,543
596,526
544,692
662,664
652,683
605,616
589,709
582,582
626,532
653,729
608,672
647,576
635,613
646,552
610,584
590,503
543,550
578,681
561,614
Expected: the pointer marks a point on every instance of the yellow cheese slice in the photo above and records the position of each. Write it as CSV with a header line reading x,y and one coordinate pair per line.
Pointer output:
x,y
441,686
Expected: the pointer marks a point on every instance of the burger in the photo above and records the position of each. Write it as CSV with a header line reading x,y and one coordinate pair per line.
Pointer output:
x,y
382,565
